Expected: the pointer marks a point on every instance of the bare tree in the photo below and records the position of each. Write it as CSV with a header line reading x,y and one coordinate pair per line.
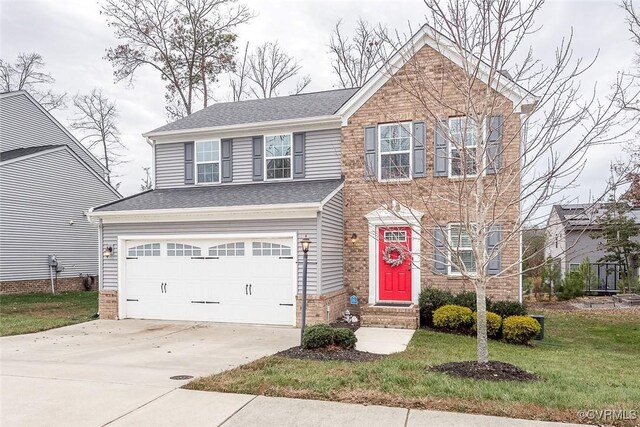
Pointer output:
x,y
358,58
270,67
517,140
238,79
26,74
97,120
147,182
189,42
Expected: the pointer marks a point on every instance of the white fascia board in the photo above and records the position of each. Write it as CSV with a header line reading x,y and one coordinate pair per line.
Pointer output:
x,y
31,156
330,196
226,213
246,129
514,92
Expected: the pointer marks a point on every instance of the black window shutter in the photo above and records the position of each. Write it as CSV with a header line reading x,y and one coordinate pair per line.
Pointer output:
x,y
494,144
370,152
258,153
440,150
419,150
439,251
298,155
494,235
226,160
188,163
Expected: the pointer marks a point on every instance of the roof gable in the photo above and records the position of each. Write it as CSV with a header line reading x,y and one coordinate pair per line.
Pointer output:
x,y
428,36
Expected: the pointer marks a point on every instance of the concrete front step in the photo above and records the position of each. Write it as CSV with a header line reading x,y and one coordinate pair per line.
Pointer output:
x,y
390,316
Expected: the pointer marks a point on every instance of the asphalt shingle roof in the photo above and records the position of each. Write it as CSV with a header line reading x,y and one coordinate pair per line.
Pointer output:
x,y
21,152
266,193
263,110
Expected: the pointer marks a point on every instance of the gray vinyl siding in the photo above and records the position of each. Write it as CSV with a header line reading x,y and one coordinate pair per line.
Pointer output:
x,y
169,165
39,197
303,226
323,154
332,243
23,124
322,159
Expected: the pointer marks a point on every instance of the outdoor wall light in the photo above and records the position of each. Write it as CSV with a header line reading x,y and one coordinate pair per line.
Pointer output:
x,y
354,238
108,251
305,243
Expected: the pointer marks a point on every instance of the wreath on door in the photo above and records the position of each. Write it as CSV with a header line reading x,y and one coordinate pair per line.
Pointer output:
x,y
391,249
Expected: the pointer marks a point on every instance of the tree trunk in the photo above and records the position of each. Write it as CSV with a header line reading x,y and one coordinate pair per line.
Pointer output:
x,y
481,324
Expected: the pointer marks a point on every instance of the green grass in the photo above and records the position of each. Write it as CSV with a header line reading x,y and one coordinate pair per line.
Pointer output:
x,y
587,361
27,313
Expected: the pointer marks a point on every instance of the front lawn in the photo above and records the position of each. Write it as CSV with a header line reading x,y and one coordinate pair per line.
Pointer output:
x,y
26,313
588,361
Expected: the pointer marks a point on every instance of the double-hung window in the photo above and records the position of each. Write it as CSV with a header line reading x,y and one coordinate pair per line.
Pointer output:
x,y
461,250
395,151
463,146
207,162
278,156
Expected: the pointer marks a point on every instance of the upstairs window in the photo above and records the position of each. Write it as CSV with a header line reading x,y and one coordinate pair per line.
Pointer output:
x,y
463,146
207,162
395,151
278,156
461,250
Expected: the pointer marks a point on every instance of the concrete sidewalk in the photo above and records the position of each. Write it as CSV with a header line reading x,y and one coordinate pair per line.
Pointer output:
x,y
198,408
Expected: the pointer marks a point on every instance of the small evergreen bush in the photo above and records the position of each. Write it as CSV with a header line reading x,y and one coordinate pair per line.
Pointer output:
x,y
506,309
430,300
520,329
317,336
344,338
453,318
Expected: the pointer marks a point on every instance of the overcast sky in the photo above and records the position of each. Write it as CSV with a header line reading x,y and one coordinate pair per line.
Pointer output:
x,y
72,37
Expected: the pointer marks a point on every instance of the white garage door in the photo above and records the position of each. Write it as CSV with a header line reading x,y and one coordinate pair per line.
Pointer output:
x,y
222,280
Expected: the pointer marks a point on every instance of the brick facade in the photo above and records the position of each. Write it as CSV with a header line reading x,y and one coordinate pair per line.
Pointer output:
x,y
392,103
322,308
63,284
108,305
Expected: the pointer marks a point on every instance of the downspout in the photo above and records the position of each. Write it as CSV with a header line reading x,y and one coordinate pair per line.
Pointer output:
x,y
100,260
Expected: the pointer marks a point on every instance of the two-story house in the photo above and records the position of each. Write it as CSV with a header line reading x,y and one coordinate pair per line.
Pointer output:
x,y
48,180
238,184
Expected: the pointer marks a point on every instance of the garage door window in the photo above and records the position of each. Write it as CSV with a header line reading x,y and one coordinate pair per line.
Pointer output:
x,y
270,249
228,249
148,249
179,249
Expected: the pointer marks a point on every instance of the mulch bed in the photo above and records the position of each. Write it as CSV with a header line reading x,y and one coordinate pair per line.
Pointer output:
x,y
492,371
331,353
341,323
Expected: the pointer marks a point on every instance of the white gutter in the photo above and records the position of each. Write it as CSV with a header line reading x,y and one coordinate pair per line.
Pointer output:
x,y
256,127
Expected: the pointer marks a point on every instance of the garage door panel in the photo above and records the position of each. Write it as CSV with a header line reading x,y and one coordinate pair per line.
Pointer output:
x,y
230,280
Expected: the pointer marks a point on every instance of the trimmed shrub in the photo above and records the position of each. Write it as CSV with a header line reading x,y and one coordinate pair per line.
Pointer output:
x,y
453,318
508,308
317,336
519,329
494,322
344,338
429,301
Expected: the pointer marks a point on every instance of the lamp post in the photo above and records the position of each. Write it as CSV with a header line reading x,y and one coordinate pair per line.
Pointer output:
x,y
305,243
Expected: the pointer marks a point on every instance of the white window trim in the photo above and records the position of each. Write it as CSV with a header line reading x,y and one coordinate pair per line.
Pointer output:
x,y
451,148
265,159
450,250
379,172
196,162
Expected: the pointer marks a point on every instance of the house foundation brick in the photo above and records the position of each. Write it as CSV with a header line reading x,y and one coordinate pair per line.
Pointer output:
x,y
108,305
63,284
322,308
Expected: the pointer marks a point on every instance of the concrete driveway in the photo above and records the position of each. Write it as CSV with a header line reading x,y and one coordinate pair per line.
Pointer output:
x,y
94,373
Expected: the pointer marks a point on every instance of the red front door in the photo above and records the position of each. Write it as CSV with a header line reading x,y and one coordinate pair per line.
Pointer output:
x,y
394,281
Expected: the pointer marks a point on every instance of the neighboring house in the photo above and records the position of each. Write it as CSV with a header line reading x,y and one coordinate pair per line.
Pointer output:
x,y
572,236
48,180
238,184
